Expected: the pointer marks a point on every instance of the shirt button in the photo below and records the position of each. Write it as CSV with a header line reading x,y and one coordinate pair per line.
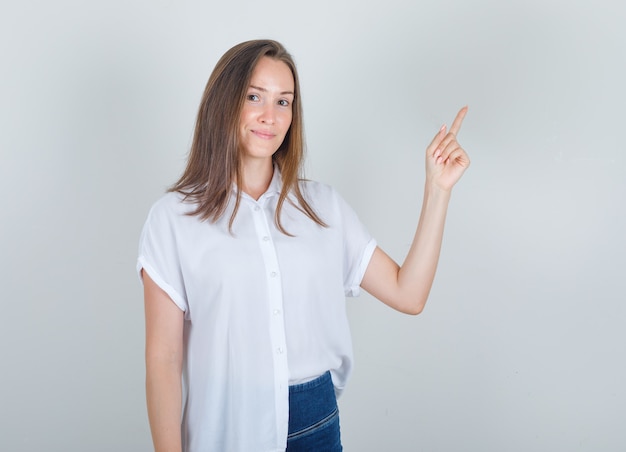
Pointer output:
x,y
273,274
266,238
276,311
279,350
257,208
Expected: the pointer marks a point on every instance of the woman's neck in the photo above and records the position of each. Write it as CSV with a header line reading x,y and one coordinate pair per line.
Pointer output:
x,y
256,177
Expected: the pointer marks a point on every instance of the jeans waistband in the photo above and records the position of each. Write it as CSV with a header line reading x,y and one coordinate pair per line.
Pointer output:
x,y
323,379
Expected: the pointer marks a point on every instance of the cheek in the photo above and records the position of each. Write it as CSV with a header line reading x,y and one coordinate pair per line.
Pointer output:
x,y
243,118
246,115
287,120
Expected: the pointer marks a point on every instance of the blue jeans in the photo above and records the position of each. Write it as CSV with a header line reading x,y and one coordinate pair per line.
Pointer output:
x,y
313,417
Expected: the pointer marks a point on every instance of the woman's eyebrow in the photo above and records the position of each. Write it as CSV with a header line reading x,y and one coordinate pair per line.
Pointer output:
x,y
265,90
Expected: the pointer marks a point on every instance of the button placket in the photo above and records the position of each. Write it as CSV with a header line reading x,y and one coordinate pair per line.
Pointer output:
x,y
275,306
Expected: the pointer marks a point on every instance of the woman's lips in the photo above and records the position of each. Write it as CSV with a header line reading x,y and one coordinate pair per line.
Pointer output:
x,y
263,134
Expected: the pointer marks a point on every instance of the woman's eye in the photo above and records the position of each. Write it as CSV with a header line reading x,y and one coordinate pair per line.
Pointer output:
x,y
283,103
253,97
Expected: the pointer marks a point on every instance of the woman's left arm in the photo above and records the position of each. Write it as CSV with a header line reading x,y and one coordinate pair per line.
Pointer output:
x,y
406,288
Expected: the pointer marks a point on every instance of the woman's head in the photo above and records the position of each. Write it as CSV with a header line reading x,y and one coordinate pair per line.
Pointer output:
x,y
225,93
266,114
216,154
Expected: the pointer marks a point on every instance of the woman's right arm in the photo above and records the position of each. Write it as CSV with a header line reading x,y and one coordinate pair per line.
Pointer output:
x,y
164,359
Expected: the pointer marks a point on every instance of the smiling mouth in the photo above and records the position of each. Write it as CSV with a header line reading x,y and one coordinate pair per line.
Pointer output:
x,y
263,135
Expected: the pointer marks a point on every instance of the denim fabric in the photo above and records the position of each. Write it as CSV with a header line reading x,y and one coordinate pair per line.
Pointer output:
x,y
314,417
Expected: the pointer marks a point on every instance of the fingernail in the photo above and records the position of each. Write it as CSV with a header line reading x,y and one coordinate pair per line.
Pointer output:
x,y
443,127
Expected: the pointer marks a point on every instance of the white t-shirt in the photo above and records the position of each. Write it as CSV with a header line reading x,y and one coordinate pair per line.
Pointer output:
x,y
262,310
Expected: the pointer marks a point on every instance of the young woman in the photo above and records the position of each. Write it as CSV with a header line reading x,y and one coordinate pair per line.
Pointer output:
x,y
246,267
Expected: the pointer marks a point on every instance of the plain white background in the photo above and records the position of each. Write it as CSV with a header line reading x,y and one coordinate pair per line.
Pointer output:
x,y
522,344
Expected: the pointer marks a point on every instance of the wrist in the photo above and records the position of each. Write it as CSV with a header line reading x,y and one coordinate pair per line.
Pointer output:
x,y
432,190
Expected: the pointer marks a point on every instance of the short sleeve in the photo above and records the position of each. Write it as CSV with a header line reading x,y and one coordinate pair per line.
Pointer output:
x,y
159,254
358,249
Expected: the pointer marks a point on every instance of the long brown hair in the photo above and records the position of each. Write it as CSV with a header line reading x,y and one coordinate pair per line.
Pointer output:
x,y
215,156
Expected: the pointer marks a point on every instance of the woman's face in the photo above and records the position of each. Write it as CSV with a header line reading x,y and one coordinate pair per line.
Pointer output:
x,y
267,110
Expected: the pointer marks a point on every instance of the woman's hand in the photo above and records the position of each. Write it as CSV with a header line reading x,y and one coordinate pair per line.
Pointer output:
x,y
446,161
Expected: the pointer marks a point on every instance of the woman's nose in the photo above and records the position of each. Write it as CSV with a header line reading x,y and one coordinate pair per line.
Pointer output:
x,y
268,115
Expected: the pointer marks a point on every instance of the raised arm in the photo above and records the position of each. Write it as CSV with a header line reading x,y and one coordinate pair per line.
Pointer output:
x,y
406,288
164,358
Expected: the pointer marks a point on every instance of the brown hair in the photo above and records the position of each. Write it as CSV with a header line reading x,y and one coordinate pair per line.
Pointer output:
x,y
215,155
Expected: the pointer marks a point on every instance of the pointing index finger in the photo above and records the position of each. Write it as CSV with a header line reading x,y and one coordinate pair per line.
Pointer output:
x,y
456,125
